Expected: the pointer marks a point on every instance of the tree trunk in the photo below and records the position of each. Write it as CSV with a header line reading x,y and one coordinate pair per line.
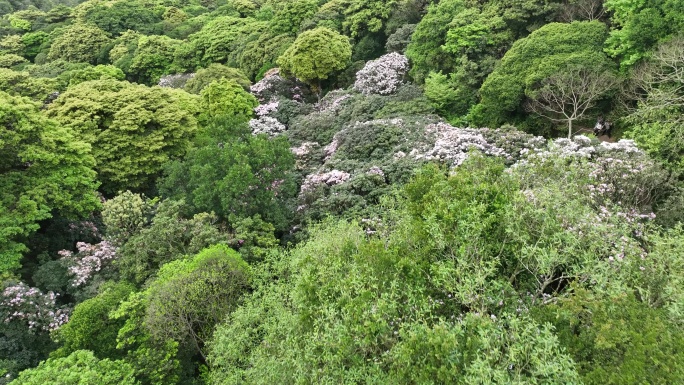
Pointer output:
x,y
569,128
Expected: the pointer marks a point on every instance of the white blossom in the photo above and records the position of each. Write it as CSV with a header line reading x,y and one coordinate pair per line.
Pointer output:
x,y
266,109
304,149
382,76
333,101
89,260
266,125
175,80
452,144
329,178
38,309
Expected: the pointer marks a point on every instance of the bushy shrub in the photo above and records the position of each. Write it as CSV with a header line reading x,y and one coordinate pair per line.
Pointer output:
x,y
382,76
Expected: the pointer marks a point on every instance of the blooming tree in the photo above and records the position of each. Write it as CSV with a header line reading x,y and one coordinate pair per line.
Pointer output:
x,y
382,76
89,260
39,310
175,80
329,178
266,125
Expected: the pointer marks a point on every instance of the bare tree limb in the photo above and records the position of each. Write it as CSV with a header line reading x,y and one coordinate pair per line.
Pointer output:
x,y
567,96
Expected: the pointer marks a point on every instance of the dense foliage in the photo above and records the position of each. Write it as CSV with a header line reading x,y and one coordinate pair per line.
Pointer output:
x,y
341,192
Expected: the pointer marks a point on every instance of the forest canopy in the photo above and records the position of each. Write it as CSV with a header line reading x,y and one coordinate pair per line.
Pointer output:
x,y
412,192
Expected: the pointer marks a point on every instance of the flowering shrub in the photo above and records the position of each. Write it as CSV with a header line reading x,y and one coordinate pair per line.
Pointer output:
x,y
333,101
175,80
306,153
89,260
329,178
452,144
39,310
273,85
266,109
266,125
616,175
382,76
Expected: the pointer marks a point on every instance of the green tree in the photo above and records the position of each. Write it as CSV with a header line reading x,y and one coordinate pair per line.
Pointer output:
x,y
425,50
81,367
134,130
289,15
154,362
122,16
656,123
126,215
315,55
618,340
236,175
638,27
548,50
464,40
45,169
261,54
215,72
227,98
100,72
23,84
222,39
169,236
153,58
357,309
89,326
79,43
190,297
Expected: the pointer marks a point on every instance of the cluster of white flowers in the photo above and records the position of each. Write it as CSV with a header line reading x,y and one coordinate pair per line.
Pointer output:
x,y
266,125
38,309
333,101
626,146
329,178
304,149
265,85
452,144
382,76
267,108
581,146
175,80
305,153
89,260
375,170
331,148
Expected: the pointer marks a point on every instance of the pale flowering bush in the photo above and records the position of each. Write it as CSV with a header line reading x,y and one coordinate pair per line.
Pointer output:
x,y
274,85
266,109
266,125
451,144
329,178
333,101
266,86
375,170
382,76
175,81
89,260
305,154
613,174
39,310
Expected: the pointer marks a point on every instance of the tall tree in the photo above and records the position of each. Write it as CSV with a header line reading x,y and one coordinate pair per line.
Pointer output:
x,y
44,167
569,95
80,43
547,51
134,130
657,122
315,55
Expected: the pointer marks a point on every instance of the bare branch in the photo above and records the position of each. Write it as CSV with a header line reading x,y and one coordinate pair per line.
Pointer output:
x,y
567,96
